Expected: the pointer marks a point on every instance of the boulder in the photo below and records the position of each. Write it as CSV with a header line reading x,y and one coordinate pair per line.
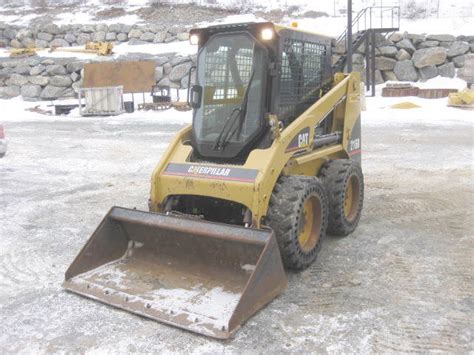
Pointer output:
x,y
39,80
28,42
403,55
428,72
22,69
179,71
122,37
167,82
51,92
23,33
10,91
170,39
396,37
75,76
388,51
465,38
175,30
110,36
9,33
406,45
135,33
416,39
116,28
41,44
147,37
59,42
52,28
102,27
447,70
60,80
17,80
56,69
136,41
458,48
83,38
44,36
74,66
160,37
48,61
405,71
179,59
98,36
76,86
428,44
88,29
429,56
159,73
182,36
445,44
70,38
126,28
36,70
30,91
356,59
161,60
384,63
389,75
467,72
459,61
441,38
378,77
167,67
16,43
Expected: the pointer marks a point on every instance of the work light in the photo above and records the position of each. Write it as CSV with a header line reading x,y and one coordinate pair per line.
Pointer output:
x,y
194,39
267,34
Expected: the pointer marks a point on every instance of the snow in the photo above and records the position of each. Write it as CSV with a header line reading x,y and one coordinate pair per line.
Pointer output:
x,y
432,112
180,48
13,110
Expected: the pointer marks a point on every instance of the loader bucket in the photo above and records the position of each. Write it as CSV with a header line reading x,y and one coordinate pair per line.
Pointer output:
x,y
205,277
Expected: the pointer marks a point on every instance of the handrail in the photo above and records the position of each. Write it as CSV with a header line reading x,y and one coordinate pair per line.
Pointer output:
x,y
369,16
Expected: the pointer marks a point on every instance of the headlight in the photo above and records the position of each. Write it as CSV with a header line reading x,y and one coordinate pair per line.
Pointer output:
x,y
267,34
194,39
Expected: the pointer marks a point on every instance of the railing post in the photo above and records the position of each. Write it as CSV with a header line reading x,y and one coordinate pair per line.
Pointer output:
x,y
349,36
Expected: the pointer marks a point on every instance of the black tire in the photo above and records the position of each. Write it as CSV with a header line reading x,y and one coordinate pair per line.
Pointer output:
x,y
291,197
341,178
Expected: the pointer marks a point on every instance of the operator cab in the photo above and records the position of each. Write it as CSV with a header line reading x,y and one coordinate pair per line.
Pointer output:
x,y
244,72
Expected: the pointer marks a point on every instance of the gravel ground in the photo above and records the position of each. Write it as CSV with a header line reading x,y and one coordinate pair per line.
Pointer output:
x,y
402,282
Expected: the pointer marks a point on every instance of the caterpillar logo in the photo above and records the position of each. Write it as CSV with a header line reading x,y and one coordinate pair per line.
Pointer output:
x,y
301,140
208,170
211,172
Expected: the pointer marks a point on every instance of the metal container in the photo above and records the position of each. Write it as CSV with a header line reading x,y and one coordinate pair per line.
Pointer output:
x,y
101,101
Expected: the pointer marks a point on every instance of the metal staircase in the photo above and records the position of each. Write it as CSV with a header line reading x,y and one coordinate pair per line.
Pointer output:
x,y
368,22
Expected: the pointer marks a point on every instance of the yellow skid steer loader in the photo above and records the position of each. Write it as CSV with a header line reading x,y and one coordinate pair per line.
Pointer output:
x,y
270,164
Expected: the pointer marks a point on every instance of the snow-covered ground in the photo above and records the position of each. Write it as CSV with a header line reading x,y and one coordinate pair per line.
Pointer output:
x,y
402,282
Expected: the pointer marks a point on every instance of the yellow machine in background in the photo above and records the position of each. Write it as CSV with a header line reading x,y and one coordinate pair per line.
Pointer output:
x,y
270,165
99,48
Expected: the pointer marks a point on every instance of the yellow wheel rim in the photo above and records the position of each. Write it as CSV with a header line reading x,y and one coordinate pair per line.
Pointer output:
x,y
310,224
351,198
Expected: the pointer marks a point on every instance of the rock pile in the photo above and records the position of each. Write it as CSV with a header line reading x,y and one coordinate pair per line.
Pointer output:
x,y
412,57
39,78
52,35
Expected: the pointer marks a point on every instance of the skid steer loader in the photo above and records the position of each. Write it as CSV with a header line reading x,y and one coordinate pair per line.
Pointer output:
x,y
270,164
